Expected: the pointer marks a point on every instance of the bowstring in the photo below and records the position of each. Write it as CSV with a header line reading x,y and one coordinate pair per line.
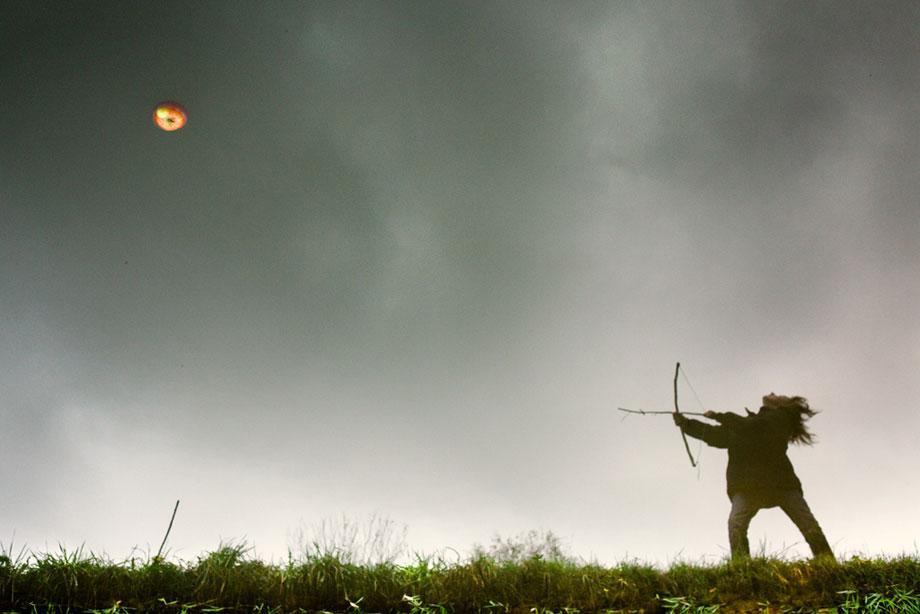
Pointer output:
x,y
699,450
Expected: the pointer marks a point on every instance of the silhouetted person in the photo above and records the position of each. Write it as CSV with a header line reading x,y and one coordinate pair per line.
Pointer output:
x,y
759,473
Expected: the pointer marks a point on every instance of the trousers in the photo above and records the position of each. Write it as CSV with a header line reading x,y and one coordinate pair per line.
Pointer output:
x,y
792,502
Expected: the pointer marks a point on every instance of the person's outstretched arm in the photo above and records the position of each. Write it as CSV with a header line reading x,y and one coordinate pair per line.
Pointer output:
x,y
716,436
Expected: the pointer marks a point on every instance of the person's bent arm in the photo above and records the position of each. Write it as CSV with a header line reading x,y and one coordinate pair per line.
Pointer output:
x,y
726,418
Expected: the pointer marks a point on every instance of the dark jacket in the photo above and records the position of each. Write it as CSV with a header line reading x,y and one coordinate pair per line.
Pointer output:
x,y
756,444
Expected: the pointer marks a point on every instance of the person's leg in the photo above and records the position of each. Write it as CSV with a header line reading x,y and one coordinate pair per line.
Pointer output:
x,y
793,503
743,510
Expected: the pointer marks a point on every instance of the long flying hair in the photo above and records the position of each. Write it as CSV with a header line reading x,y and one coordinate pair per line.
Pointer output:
x,y
794,412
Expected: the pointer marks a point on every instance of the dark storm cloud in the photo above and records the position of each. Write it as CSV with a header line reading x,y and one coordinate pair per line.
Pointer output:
x,y
363,189
370,183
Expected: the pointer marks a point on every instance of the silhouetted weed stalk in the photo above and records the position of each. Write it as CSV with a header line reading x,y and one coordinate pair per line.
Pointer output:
x,y
374,541
347,569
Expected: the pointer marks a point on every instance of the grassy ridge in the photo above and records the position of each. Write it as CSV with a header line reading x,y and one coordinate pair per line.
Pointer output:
x,y
228,578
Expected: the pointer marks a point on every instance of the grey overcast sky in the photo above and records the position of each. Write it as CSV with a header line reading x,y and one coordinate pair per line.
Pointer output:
x,y
406,259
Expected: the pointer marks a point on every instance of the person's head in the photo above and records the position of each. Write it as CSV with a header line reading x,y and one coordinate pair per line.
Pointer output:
x,y
791,412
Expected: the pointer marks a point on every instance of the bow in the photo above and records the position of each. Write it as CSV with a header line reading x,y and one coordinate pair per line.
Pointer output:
x,y
677,411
